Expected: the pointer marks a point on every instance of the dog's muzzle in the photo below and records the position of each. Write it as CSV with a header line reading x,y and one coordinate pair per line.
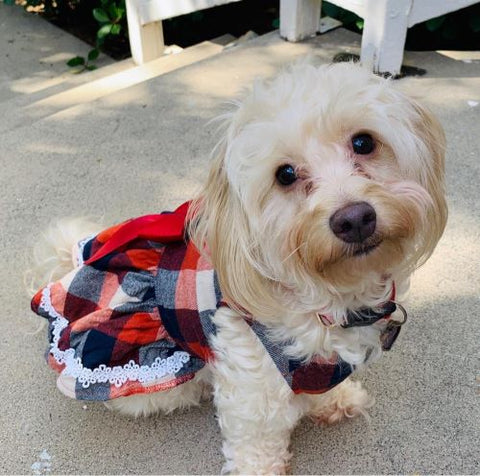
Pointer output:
x,y
354,223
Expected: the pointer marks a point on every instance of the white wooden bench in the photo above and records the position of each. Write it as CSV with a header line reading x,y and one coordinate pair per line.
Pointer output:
x,y
385,24
145,17
383,40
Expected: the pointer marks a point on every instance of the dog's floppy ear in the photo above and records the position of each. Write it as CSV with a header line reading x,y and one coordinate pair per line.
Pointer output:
x,y
431,152
219,226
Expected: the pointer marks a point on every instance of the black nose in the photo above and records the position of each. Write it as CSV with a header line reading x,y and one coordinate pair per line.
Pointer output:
x,y
354,223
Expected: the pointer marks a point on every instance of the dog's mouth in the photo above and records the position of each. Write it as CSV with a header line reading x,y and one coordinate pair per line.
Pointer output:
x,y
363,249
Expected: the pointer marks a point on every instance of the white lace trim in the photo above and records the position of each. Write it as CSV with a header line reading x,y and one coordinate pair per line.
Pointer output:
x,y
117,375
81,246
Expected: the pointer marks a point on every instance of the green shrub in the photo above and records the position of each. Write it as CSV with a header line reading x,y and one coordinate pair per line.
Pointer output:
x,y
103,24
112,19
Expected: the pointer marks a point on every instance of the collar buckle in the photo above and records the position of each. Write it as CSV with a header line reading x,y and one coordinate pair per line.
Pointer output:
x,y
394,322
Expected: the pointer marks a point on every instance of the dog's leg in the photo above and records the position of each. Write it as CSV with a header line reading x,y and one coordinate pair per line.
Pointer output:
x,y
256,408
189,394
347,400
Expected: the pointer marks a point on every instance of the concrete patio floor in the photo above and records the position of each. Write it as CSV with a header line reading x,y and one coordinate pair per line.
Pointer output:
x,y
145,149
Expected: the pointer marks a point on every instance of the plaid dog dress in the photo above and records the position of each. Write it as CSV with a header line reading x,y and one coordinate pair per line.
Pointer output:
x,y
135,316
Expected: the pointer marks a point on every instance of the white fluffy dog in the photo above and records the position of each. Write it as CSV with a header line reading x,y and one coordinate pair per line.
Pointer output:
x,y
325,193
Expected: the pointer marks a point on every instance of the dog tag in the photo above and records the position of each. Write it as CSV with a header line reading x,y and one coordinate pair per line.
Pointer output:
x,y
389,335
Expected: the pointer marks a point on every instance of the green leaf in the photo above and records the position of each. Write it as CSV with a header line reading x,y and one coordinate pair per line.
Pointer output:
x,y
104,31
115,29
435,23
77,61
112,11
359,23
115,12
93,54
100,15
91,67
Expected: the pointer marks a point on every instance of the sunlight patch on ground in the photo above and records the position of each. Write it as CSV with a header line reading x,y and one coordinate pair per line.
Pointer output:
x,y
131,77
441,91
465,56
57,58
43,147
35,83
226,85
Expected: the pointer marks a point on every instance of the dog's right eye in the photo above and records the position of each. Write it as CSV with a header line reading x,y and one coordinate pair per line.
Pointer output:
x,y
286,175
363,144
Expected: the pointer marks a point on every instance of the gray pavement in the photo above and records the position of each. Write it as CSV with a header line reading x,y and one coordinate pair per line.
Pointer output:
x,y
33,54
145,149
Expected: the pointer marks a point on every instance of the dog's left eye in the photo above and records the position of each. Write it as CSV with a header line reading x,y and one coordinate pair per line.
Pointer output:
x,y
363,144
286,175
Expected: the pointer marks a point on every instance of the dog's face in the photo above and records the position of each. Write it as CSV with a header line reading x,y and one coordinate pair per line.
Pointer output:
x,y
326,177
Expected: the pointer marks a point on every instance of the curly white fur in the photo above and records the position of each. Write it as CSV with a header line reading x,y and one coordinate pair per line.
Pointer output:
x,y
277,258
54,253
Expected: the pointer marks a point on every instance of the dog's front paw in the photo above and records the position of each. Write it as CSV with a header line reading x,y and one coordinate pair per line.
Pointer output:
x,y
278,469
263,458
347,400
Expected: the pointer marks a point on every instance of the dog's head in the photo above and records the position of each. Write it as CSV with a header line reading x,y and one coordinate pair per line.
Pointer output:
x,y
325,178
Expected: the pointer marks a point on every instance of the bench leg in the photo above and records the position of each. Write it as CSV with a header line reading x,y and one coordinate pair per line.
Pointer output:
x,y
299,19
384,35
146,41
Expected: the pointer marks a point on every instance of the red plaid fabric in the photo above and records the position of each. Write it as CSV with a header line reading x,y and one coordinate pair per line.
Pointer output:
x,y
136,316
135,320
